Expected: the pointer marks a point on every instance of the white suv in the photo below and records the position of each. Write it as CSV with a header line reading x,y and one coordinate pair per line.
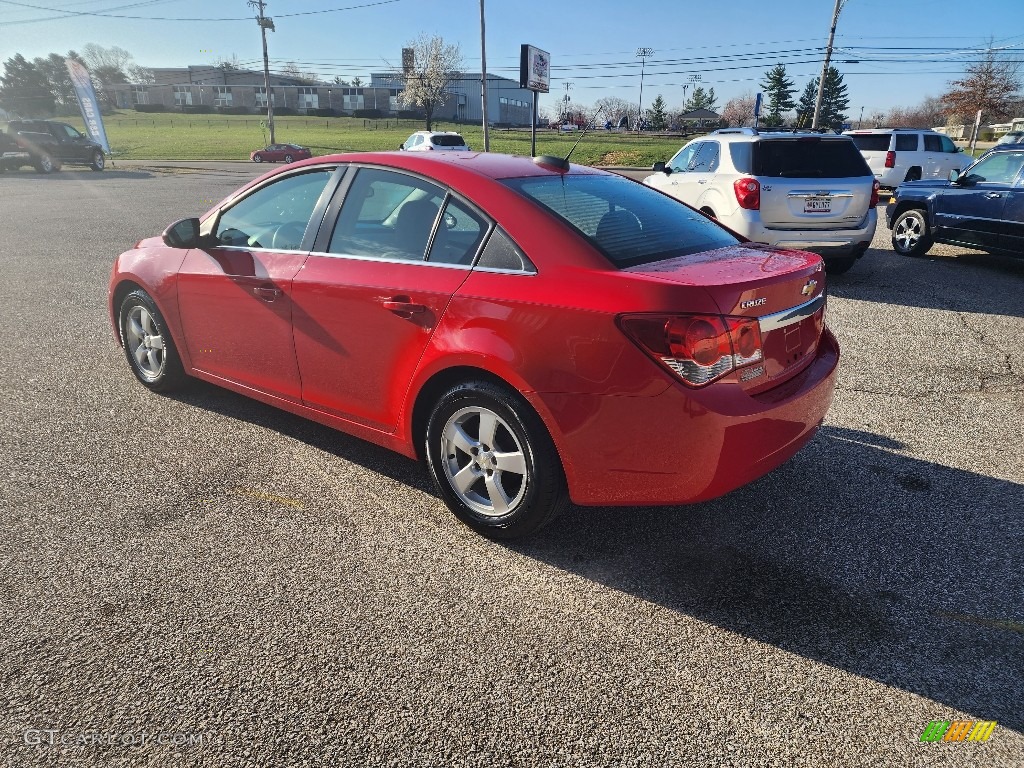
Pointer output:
x,y
445,141
896,155
801,190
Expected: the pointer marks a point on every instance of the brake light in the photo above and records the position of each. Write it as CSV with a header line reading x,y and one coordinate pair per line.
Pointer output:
x,y
890,159
748,193
874,194
699,349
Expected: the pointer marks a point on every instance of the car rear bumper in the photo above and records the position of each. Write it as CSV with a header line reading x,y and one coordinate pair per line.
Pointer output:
x,y
825,242
684,445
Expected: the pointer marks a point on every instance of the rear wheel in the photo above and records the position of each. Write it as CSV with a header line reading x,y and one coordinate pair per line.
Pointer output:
x,y
493,462
45,164
148,344
257,158
708,212
98,162
288,158
910,233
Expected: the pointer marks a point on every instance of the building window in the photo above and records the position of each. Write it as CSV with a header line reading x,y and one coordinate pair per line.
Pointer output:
x,y
352,98
261,97
309,98
139,95
222,96
182,96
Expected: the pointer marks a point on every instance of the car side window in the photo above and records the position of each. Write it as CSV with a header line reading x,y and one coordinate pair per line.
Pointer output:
x,y
932,143
706,160
387,215
71,132
906,142
999,168
948,145
274,216
501,253
417,141
681,162
458,236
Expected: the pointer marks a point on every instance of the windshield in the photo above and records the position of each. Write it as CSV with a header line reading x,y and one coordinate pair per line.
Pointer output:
x,y
630,223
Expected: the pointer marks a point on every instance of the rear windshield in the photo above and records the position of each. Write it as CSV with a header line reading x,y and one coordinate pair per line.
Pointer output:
x,y
809,157
872,142
447,141
632,224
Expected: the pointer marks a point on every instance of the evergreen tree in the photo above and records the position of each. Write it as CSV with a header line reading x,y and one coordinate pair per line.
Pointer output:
x,y
834,102
778,95
805,107
24,89
656,116
701,99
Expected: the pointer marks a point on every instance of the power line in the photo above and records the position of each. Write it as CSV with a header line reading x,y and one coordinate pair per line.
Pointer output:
x,y
101,14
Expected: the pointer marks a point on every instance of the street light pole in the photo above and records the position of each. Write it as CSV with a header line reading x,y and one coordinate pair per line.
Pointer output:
x,y
483,79
642,54
266,24
824,66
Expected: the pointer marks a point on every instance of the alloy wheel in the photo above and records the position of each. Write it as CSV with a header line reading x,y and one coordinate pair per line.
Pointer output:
x,y
908,232
145,342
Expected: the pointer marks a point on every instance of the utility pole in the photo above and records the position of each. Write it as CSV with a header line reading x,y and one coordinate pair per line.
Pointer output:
x,y
266,24
824,66
483,79
642,54
565,99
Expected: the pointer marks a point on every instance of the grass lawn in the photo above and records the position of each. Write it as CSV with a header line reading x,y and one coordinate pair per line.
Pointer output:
x,y
167,136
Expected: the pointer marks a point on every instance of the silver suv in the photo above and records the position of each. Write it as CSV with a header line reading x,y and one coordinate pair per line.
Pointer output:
x,y
803,190
445,141
896,155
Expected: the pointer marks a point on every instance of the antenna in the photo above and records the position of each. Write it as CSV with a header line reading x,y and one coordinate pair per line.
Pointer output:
x,y
563,163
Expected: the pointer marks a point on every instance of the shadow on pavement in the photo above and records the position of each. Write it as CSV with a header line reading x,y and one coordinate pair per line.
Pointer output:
x,y
898,570
26,174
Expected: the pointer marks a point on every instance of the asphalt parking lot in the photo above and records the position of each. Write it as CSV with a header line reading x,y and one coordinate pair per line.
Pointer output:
x,y
204,566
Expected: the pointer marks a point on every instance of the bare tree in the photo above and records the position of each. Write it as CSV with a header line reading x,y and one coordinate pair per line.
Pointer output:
x,y
436,65
738,112
991,84
614,108
931,112
108,67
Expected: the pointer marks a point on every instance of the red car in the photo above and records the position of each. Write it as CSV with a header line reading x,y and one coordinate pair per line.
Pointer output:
x,y
281,153
536,332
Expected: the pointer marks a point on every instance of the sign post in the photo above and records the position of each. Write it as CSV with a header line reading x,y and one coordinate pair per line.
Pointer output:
x,y
534,75
757,109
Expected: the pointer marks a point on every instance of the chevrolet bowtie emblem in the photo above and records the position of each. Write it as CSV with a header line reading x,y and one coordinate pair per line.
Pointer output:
x,y
809,287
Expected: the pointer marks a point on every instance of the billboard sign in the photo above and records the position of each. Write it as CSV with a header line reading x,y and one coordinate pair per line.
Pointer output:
x,y
87,103
534,69
408,60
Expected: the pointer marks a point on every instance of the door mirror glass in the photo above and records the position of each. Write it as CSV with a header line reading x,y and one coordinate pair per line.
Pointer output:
x,y
182,234
658,167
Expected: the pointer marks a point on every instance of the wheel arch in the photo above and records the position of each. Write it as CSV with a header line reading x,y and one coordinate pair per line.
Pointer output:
x,y
905,205
117,296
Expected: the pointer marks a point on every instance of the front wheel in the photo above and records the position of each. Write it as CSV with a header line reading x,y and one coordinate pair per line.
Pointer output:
x,y
910,233
493,462
148,344
98,162
257,158
45,164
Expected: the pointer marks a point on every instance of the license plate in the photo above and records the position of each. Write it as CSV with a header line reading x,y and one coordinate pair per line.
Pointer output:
x,y
817,205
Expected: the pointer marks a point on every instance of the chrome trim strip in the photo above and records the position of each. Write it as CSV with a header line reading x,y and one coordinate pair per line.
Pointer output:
x,y
418,262
820,194
789,316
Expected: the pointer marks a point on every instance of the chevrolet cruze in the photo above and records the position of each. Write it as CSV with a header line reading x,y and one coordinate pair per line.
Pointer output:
x,y
537,332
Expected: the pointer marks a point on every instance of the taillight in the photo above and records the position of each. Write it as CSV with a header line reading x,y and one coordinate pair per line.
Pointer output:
x,y
748,193
874,194
699,349
890,159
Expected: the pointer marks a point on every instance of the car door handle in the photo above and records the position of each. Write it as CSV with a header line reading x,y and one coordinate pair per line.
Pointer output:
x,y
266,293
702,181
993,195
403,305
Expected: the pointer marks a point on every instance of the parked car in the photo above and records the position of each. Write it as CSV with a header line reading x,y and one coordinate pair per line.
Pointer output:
x,y
805,191
442,141
896,155
1011,137
982,208
535,331
12,155
50,144
280,153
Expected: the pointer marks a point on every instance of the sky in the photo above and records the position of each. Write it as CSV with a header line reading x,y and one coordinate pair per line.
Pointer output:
x,y
891,52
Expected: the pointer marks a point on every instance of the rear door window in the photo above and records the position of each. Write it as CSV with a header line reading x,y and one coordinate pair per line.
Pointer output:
x,y
932,143
458,235
809,157
906,142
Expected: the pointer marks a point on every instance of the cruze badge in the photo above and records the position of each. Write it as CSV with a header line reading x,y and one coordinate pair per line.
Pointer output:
x,y
752,303
809,287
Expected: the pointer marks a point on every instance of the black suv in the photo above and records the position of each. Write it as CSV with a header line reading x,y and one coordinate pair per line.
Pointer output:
x,y
51,144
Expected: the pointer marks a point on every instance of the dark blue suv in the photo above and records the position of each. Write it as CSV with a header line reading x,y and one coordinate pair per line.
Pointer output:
x,y
981,207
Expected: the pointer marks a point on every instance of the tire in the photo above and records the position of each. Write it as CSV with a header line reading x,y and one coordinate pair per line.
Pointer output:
x,y
98,162
914,174
155,363
288,158
910,233
45,164
501,502
840,265
709,213
257,158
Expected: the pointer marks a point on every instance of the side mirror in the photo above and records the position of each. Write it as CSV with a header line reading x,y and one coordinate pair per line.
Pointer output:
x,y
401,147
954,176
658,167
182,234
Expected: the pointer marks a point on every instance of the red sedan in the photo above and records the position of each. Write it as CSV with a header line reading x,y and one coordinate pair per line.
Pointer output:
x,y
536,332
281,153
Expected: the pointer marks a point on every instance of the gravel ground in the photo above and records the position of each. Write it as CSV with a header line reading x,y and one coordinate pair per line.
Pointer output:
x,y
205,566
